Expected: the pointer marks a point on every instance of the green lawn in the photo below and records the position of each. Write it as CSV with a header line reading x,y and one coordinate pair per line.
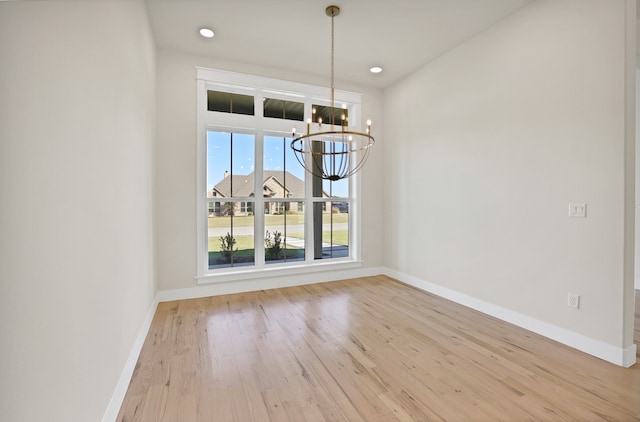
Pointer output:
x,y
340,237
245,251
271,220
245,244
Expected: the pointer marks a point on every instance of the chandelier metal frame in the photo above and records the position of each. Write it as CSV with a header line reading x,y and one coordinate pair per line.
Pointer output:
x,y
334,154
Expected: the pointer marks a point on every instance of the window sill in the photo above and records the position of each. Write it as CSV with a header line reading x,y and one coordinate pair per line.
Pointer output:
x,y
266,272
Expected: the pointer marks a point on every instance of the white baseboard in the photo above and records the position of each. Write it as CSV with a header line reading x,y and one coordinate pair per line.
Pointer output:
x,y
619,356
629,356
115,403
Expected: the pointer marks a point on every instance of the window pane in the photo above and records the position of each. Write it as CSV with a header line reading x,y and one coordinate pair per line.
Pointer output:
x,y
325,188
219,101
283,174
281,109
337,189
230,235
242,168
294,111
325,113
284,232
230,165
242,104
218,164
230,103
331,229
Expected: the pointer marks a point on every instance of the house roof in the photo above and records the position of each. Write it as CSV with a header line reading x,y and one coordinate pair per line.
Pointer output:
x,y
243,184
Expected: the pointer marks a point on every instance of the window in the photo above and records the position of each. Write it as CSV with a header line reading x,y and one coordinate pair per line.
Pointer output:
x,y
282,109
325,114
230,228
230,103
246,208
284,179
214,208
245,163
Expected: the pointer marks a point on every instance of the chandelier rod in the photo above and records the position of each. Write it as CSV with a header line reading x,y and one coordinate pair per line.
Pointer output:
x,y
333,11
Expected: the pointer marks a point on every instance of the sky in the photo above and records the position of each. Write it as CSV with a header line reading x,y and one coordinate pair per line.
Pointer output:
x,y
277,155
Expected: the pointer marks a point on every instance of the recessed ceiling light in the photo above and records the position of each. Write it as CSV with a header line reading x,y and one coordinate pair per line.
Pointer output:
x,y
206,32
375,69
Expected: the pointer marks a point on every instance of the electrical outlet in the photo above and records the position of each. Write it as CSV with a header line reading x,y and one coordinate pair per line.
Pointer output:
x,y
578,210
574,300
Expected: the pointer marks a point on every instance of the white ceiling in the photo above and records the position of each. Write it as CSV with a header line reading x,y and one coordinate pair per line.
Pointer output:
x,y
399,35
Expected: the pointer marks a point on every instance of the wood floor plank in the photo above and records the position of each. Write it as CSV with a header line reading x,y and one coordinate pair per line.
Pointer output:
x,y
368,349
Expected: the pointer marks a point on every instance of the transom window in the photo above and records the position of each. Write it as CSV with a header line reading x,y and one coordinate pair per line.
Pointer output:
x,y
258,209
227,102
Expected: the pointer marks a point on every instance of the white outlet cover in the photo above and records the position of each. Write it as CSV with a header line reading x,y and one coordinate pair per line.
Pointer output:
x,y
577,209
574,300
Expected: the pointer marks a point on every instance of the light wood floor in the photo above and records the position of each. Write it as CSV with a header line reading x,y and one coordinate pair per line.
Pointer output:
x,y
368,349
636,332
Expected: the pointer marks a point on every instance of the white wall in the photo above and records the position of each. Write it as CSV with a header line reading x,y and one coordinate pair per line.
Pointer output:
x,y
637,210
76,180
176,174
492,141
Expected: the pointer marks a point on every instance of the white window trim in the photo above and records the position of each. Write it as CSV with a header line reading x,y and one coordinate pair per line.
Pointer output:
x,y
272,88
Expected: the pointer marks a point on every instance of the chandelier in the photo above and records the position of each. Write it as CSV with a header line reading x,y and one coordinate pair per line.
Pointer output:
x,y
337,152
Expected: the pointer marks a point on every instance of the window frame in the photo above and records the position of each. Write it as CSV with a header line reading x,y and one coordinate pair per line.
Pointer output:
x,y
260,126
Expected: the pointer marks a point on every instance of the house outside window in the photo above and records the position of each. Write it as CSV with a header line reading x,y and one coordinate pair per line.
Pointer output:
x,y
246,208
245,163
